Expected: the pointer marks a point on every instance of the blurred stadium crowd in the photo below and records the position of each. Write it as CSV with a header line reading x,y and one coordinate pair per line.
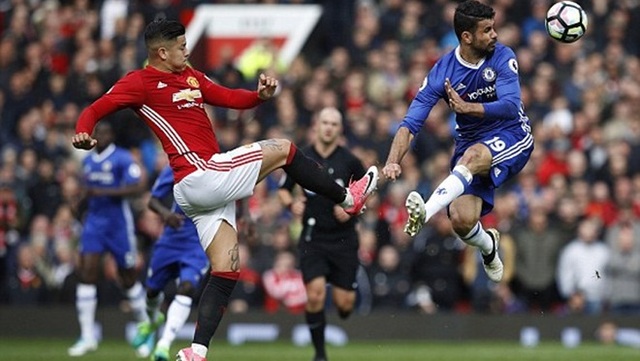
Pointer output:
x,y
570,222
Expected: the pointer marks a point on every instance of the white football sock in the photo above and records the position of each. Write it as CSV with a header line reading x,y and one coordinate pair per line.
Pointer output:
x,y
137,300
177,315
479,238
200,350
451,188
86,303
348,200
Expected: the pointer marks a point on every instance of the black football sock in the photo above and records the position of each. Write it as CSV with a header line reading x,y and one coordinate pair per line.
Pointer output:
x,y
213,303
317,323
310,175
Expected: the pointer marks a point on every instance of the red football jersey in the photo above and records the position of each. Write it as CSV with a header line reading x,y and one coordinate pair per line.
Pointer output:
x,y
172,105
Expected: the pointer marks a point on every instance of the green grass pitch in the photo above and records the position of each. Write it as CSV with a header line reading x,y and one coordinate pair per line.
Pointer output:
x,y
55,350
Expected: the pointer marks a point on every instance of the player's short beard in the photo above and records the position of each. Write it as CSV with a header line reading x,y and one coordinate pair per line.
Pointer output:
x,y
481,52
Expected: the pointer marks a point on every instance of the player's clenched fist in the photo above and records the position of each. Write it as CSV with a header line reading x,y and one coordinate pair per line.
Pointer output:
x,y
83,141
266,86
392,171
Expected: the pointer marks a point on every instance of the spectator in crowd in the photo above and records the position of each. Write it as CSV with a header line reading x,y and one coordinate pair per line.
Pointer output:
x,y
46,190
284,285
389,286
580,268
565,217
437,263
537,248
26,283
42,245
10,219
623,268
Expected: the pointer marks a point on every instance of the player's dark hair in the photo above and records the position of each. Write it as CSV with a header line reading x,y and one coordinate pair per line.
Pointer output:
x,y
468,14
162,30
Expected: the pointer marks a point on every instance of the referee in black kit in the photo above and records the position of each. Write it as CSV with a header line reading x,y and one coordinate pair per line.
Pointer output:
x,y
328,245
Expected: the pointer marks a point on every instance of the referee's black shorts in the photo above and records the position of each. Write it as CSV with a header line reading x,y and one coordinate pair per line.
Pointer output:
x,y
335,258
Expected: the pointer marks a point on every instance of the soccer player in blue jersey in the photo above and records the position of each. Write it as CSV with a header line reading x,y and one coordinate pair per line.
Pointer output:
x,y
479,81
176,254
110,176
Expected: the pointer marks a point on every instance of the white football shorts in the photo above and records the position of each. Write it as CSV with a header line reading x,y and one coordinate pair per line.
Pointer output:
x,y
209,196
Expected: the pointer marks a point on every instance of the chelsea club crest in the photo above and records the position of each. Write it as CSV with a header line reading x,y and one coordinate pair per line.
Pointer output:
x,y
488,74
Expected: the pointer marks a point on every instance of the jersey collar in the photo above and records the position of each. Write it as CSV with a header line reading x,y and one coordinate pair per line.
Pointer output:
x,y
466,63
99,157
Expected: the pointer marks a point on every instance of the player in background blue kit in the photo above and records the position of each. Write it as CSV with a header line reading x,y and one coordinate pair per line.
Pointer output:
x,y
110,176
479,81
176,254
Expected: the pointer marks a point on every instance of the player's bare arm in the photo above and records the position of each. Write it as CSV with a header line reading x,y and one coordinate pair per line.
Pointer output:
x,y
266,86
399,148
458,105
83,141
172,219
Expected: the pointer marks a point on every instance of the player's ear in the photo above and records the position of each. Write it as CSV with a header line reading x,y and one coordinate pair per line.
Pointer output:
x,y
162,53
466,37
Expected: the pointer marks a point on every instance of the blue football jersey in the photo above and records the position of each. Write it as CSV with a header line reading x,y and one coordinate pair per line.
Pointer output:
x,y
114,167
109,224
185,237
493,81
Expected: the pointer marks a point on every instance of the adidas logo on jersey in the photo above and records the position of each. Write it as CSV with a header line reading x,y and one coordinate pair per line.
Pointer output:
x,y
161,85
460,87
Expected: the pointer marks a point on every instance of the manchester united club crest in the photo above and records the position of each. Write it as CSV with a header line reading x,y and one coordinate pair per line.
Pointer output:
x,y
193,82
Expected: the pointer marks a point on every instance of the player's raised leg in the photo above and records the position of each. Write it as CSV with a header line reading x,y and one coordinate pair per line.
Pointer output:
x,y
281,153
451,188
474,160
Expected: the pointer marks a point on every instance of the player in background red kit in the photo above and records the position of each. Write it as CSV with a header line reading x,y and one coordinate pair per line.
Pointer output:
x,y
169,96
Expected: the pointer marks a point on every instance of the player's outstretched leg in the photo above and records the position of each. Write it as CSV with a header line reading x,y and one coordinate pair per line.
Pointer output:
x,y
310,175
417,214
361,189
491,262
451,188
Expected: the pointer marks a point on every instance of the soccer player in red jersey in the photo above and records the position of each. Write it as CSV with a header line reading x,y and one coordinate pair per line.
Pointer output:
x,y
169,96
